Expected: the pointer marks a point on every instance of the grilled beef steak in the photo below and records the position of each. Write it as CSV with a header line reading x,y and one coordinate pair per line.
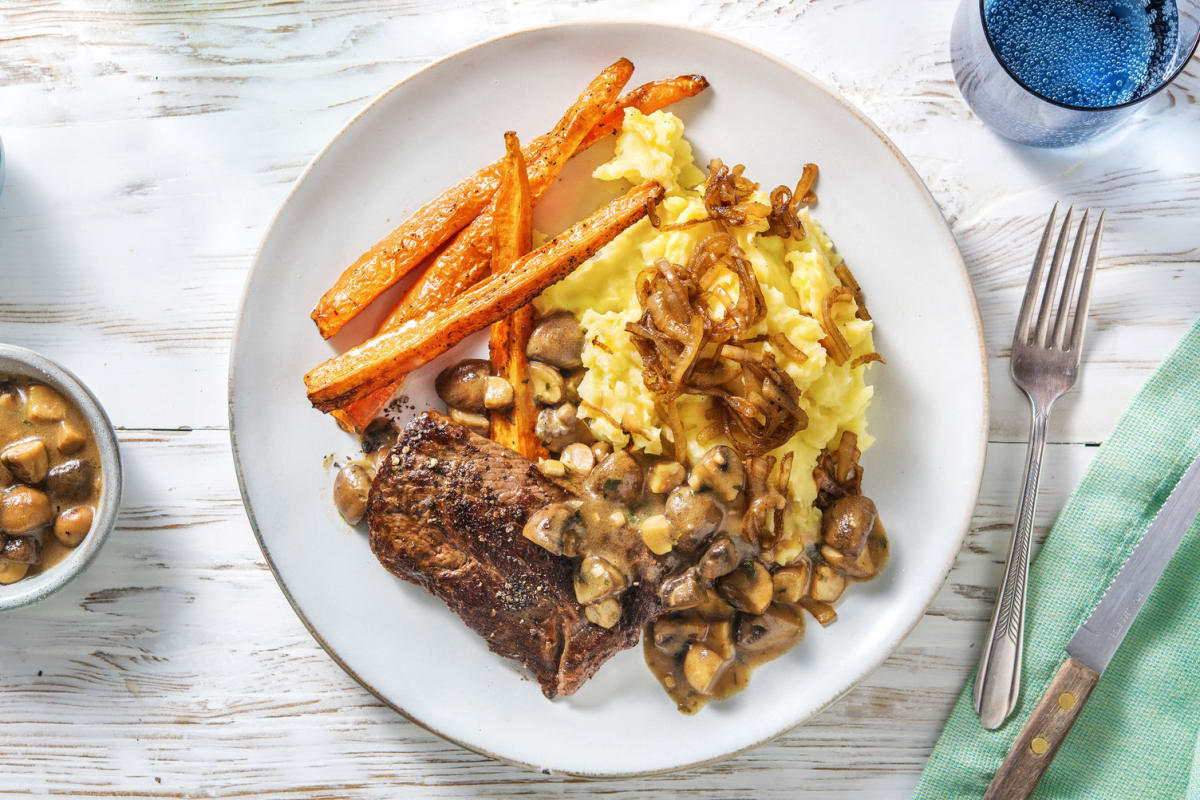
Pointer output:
x,y
446,512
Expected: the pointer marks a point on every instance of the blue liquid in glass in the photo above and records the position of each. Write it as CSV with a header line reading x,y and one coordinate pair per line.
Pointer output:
x,y
1090,53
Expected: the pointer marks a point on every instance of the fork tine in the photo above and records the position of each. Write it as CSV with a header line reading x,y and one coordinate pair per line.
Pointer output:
x,y
1035,281
1051,291
1068,288
1085,291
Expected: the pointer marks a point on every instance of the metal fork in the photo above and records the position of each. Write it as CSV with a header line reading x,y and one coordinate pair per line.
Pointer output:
x,y
1045,364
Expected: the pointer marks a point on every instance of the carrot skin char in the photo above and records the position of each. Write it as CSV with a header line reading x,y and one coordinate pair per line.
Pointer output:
x,y
376,363
445,279
434,223
512,233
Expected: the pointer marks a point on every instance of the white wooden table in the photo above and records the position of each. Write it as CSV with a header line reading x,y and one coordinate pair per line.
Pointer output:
x,y
148,146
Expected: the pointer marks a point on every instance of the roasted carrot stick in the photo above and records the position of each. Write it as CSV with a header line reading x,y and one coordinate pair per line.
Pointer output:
x,y
466,261
392,258
378,362
512,224
647,98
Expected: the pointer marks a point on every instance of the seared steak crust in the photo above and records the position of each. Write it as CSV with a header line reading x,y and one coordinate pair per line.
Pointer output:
x,y
446,512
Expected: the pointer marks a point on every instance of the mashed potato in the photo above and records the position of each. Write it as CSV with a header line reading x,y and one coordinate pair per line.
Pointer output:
x,y
794,277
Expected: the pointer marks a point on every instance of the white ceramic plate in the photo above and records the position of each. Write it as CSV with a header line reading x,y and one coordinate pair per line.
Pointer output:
x,y
930,412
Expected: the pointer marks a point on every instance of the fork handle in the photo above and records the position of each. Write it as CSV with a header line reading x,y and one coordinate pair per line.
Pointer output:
x,y
998,681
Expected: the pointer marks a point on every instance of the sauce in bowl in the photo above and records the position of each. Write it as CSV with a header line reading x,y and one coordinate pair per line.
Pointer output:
x,y
50,478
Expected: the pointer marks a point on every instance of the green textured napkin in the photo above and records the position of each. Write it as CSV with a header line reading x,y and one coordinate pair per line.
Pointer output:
x,y
1137,736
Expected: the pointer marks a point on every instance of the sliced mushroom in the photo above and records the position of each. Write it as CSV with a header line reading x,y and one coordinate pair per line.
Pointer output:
x,y
720,638
600,450
694,517
469,419
775,630
552,468
11,572
72,525
665,476
557,339
748,588
381,433
71,481
464,385
606,613
6,478
28,460
618,478
546,383
827,584
23,509
846,524
45,404
657,534
719,471
713,607
791,583
684,590
578,458
597,579
719,560
674,632
71,438
878,549
701,666
555,528
497,393
350,490
869,563
571,380
822,612
556,426
23,550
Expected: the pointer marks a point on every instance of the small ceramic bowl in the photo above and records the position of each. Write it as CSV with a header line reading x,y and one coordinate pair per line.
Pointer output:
x,y
26,363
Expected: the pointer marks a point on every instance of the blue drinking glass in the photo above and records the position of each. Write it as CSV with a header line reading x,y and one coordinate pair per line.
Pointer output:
x,y
1051,73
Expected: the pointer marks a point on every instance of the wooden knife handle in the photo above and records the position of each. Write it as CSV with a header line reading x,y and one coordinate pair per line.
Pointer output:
x,y
1039,740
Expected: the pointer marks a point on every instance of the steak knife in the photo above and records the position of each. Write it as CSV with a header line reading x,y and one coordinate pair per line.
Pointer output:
x,y
1095,643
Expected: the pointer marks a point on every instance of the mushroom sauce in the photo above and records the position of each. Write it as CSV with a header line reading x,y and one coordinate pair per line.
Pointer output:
x,y
50,478
698,532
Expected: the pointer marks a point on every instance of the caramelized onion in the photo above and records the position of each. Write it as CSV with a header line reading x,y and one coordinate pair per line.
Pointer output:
x,y
847,278
785,472
845,461
781,485
838,472
762,500
656,221
709,432
834,342
727,196
688,347
785,346
584,405
804,186
866,358
784,219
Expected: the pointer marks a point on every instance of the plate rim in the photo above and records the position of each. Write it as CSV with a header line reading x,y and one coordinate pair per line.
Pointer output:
x,y
893,642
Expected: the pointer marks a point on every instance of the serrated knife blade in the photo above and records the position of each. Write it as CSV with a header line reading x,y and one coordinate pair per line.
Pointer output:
x,y
1101,634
